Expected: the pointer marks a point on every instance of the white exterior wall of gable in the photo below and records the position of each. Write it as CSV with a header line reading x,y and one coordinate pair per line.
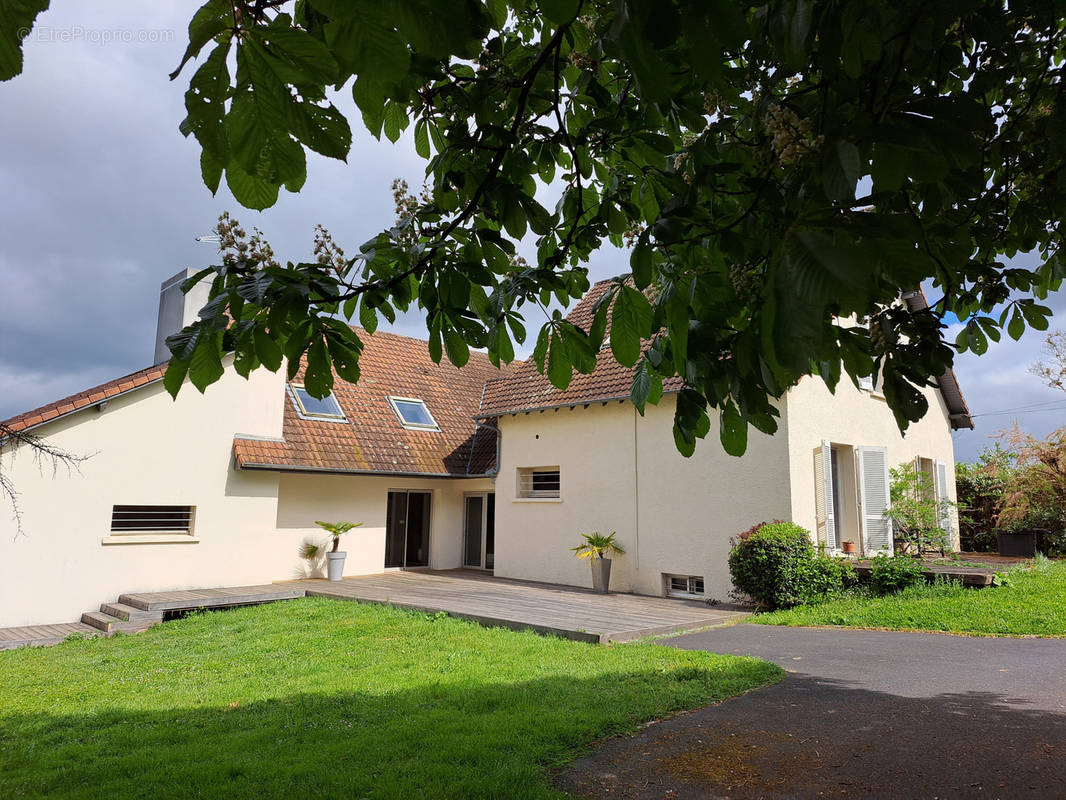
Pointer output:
x,y
146,450
853,418
621,472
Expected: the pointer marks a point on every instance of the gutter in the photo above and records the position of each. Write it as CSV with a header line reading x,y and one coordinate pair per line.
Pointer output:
x,y
499,448
336,471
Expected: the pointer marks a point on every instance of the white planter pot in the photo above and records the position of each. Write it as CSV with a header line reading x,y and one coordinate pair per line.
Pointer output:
x,y
336,565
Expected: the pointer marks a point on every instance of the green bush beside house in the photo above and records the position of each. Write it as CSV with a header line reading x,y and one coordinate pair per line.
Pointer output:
x,y
776,566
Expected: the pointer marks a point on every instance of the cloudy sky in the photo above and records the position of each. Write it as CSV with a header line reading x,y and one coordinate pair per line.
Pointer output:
x,y
103,200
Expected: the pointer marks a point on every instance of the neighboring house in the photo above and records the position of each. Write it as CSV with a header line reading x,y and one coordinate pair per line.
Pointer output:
x,y
444,467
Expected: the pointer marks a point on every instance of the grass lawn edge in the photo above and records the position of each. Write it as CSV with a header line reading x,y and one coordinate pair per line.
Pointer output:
x,y
236,693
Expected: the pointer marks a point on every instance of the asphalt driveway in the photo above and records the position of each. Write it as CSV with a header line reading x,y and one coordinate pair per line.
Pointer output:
x,y
860,714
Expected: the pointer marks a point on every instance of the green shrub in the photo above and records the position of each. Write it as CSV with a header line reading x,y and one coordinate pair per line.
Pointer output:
x,y
825,578
768,563
892,574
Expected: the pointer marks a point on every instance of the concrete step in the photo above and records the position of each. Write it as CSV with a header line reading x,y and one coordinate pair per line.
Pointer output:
x,y
128,613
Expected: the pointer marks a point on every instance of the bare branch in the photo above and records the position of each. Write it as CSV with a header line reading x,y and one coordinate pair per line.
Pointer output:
x,y
1052,370
45,455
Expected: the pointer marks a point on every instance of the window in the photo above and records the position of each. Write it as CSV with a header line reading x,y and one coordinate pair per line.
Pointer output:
x,y
871,383
151,519
538,482
314,408
413,413
684,585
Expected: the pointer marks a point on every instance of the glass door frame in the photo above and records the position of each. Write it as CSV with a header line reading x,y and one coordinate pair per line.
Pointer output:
x,y
407,522
483,564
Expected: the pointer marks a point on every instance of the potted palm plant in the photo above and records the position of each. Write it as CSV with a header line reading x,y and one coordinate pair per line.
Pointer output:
x,y
336,557
596,548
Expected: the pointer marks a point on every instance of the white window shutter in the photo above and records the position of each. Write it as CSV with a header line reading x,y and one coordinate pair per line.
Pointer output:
x,y
819,496
942,497
826,457
866,382
874,497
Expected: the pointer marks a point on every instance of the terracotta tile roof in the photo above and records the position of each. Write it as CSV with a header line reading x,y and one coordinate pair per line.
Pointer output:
x,y
527,389
372,439
97,394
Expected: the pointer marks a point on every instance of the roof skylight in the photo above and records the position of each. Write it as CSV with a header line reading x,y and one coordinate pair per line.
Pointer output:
x,y
413,414
315,408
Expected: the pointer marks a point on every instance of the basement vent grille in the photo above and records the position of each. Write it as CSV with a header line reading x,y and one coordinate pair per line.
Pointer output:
x,y
151,519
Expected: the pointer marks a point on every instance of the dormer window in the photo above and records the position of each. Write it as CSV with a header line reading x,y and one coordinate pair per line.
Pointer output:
x,y
309,407
413,414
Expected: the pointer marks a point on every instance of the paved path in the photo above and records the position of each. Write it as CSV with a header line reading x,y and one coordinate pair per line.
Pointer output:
x,y
860,714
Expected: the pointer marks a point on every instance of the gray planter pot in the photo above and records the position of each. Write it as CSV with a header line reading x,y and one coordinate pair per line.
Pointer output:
x,y
601,574
336,565
1019,543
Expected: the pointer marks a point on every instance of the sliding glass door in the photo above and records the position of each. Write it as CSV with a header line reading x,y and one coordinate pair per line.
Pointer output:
x,y
407,529
479,530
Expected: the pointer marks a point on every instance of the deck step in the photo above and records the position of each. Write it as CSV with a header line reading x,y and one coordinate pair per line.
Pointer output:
x,y
134,602
109,623
100,621
128,613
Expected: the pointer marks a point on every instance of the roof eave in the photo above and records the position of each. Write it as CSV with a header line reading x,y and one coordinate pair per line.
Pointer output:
x,y
86,407
958,412
556,406
289,468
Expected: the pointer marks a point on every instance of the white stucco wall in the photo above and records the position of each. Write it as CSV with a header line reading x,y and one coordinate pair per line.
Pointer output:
x,y
621,472
856,418
150,450
304,498
146,449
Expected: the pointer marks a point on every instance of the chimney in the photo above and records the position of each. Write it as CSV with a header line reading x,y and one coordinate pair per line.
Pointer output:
x,y
176,310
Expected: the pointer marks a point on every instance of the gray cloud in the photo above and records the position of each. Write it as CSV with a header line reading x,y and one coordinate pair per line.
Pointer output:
x,y
103,200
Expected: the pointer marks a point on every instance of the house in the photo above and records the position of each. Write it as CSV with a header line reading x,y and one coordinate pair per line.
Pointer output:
x,y
443,467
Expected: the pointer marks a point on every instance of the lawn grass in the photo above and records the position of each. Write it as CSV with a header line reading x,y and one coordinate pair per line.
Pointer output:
x,y
1032,603
320,698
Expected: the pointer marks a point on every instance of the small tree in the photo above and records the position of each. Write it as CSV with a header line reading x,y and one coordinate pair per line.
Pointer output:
x,y
596,545
336,530
916,511
980,488
1035,494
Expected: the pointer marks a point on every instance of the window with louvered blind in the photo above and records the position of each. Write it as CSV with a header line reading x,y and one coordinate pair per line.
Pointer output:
x,y
538,482
151,519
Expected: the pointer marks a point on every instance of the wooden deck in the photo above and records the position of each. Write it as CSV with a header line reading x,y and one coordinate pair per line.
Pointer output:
x,y
43,635
977,577
192,599
566,611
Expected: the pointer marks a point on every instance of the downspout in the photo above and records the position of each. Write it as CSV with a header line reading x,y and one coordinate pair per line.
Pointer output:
x,y
479,424
499,448
636,497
